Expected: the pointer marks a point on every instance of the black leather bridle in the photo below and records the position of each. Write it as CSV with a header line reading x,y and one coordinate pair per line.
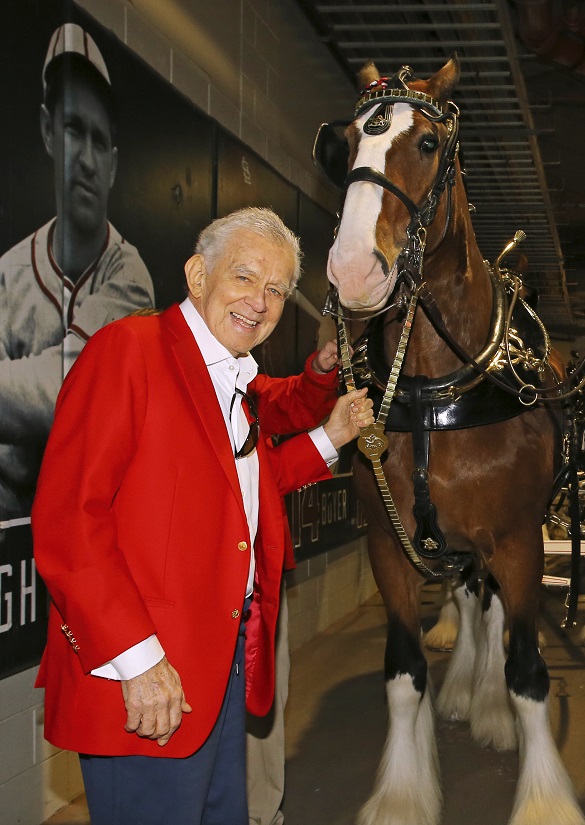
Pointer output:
x,y
329,153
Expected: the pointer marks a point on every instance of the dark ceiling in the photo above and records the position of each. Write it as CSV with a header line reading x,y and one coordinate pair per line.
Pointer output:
x,y
522,101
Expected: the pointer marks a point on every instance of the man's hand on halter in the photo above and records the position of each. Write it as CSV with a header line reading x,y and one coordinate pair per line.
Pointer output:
x,y
327,358
352,412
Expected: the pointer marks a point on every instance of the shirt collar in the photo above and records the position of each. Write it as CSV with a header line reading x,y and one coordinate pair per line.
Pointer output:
x,y
212,350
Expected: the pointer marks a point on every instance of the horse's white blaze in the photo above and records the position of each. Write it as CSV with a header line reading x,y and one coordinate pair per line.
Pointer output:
x,y
353,268
454,700
544,794
492,717
407,788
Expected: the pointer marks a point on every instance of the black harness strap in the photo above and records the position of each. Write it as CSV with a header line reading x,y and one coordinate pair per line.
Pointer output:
x,y
366,173
428,540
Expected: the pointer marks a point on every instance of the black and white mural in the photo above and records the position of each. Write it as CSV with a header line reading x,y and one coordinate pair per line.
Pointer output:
x,y
107,175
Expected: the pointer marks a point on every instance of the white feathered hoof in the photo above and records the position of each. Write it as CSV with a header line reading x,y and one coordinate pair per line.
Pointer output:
x,y
492,721
401,809
407,790
549,811
443,635
544,795
454,700
492,718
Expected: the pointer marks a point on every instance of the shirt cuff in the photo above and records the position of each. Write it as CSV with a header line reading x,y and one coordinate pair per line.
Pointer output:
x,y
323,443
132,662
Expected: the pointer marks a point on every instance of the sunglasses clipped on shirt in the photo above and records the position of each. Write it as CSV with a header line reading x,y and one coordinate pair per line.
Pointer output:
x,y
251,441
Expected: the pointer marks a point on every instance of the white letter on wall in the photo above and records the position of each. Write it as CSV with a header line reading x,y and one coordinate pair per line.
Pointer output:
x,y
30,591
6,569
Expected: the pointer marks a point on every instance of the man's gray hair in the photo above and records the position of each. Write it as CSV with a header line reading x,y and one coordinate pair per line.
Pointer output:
x,y
214,238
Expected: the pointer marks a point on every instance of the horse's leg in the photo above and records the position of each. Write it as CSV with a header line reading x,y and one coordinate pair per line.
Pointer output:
x,y
407,789
454,698
492,717
443,634
544,794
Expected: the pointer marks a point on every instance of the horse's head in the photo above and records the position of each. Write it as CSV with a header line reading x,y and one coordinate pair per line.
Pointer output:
x,y
402,147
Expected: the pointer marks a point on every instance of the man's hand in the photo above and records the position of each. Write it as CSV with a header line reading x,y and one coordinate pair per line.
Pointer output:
x,y
155,702
350,414
327,358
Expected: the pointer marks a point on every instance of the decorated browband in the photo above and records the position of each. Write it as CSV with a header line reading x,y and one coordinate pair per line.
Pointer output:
x,y
384,90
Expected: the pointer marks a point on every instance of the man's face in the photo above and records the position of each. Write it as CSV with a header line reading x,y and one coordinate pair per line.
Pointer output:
x,y
78,138
242,298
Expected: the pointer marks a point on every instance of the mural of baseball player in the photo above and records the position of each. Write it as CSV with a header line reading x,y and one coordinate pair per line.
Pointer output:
x,y
70,277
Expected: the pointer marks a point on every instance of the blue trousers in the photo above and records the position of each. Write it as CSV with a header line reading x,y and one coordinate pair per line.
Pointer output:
x,y
207,788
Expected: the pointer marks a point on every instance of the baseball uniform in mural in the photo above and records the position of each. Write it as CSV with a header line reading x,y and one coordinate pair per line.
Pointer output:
x,y
45,320
72,276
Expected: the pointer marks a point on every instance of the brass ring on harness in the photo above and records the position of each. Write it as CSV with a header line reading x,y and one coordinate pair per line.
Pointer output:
x,y
531,401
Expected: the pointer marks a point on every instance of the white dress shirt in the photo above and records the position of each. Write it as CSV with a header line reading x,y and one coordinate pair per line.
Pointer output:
x,y
227,373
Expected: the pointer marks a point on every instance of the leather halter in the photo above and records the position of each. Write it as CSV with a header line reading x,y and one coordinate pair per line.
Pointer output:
x,y
380,93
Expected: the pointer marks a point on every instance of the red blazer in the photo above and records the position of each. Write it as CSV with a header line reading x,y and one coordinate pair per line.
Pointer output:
x,y
293,405
139,528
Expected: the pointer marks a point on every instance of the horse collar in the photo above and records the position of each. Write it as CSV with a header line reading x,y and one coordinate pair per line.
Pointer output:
x,y
456,382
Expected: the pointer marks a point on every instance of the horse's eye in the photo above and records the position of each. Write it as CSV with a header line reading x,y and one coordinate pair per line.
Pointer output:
x,y
429,145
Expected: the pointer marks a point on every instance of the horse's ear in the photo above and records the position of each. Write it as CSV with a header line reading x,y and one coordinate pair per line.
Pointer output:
x,y
367,74
443,83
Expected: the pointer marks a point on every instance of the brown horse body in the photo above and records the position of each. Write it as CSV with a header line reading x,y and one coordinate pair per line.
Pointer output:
x,y
490,485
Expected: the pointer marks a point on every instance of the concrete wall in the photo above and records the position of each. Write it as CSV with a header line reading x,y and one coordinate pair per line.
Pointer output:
x,y
325,588
253,65
257,68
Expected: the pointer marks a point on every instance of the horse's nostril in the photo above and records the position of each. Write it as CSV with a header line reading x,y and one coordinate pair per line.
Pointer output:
x,y
383,262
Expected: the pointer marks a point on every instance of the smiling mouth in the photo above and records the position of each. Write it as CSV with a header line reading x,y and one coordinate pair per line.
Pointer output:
x,y
245,321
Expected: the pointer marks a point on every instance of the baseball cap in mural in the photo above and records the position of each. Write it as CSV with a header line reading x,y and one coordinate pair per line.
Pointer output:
x,y
72,39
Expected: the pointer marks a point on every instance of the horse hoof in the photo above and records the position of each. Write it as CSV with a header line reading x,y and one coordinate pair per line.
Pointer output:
x,y
549,812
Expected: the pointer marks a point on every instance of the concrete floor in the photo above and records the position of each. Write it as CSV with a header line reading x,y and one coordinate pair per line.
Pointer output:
x,y
336,724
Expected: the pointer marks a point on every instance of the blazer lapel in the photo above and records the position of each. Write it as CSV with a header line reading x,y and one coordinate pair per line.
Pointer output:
x,y
198,382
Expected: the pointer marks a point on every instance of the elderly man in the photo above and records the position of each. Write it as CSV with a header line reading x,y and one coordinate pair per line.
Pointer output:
x,y
71,276
159,531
